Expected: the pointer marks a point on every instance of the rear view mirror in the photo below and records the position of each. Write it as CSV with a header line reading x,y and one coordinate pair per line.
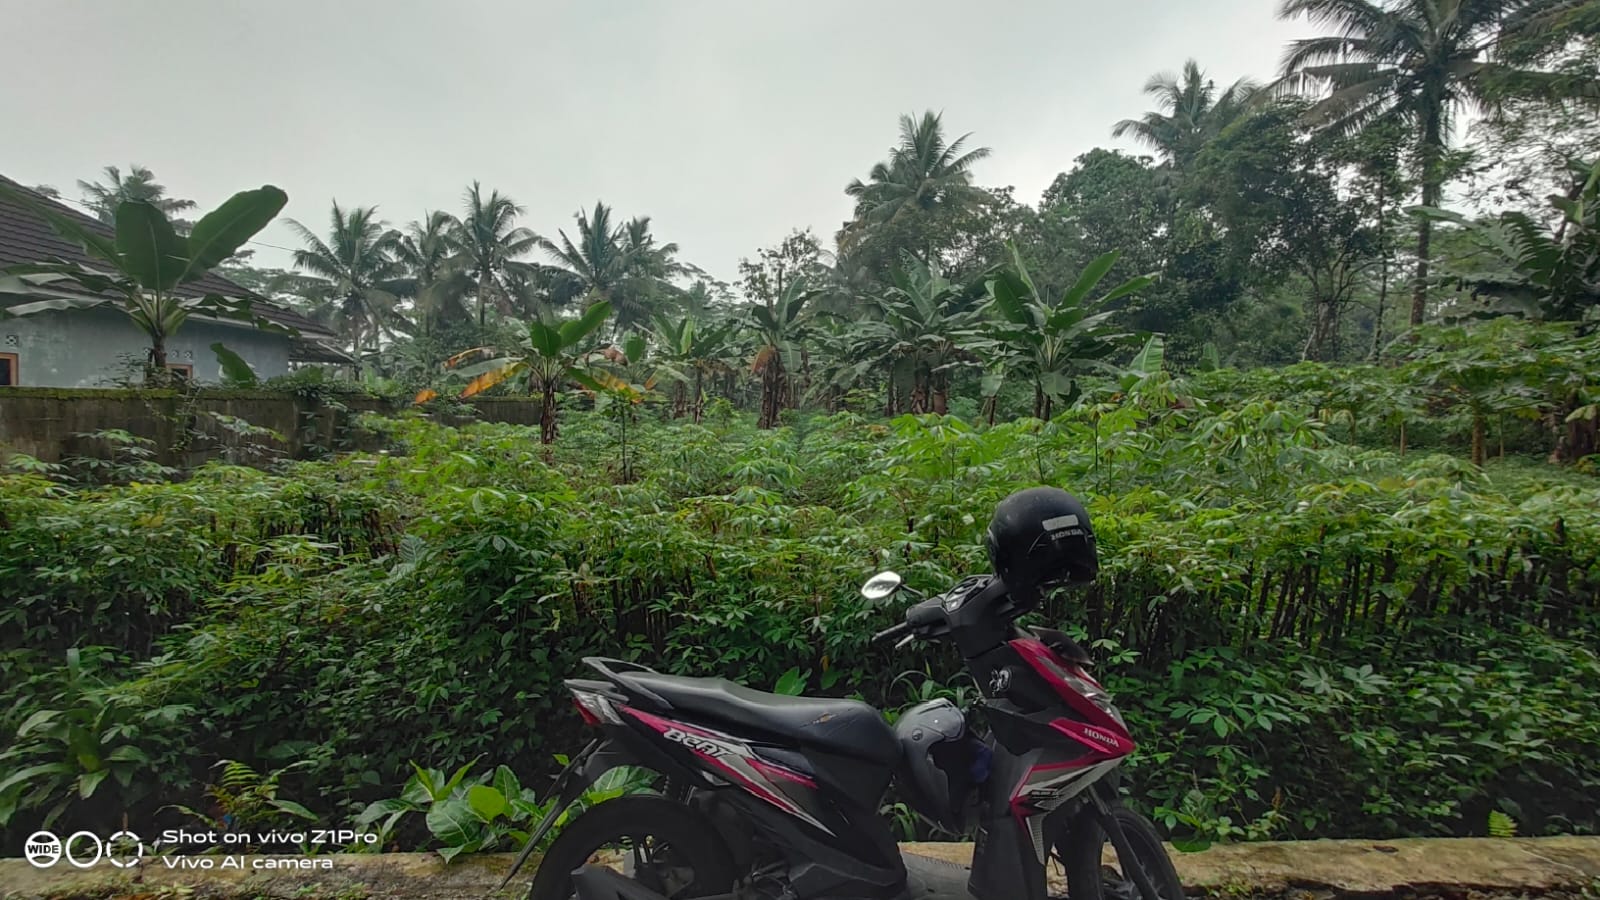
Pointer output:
x,y
882,585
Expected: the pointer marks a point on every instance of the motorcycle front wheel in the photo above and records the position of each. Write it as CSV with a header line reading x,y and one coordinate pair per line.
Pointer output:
x,y
1081,851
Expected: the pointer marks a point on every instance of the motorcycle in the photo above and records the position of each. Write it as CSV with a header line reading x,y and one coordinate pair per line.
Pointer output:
x,y
773,797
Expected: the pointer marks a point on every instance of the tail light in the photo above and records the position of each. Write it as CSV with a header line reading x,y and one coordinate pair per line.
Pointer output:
x,y
595,709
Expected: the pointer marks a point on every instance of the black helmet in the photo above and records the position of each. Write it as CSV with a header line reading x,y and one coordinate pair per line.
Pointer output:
x,y
1040,537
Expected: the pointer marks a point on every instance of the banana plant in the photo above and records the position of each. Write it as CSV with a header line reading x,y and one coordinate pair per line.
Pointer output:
x,y
1051,342
1555,273
554,357
693,350
924,328
777,325
146,262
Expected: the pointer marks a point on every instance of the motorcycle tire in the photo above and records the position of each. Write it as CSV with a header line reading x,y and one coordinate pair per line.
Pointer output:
x,y
1081,852
690,837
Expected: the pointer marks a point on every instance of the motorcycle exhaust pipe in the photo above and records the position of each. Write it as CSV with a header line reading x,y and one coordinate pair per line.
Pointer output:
x,y
602,883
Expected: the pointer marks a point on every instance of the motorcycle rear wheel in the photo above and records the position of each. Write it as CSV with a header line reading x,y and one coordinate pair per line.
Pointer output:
x,y
1081,849
668,847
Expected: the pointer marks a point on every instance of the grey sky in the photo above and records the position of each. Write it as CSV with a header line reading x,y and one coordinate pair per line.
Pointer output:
x,y
727,122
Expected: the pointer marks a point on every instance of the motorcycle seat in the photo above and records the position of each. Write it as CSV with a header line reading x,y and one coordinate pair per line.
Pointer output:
x,y
847,727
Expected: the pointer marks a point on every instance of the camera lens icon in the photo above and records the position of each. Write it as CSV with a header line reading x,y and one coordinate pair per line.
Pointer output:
x,y
42,849
83,849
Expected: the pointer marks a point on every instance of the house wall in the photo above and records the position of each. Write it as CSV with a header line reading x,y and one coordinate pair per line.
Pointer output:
x,y
52,424
92,348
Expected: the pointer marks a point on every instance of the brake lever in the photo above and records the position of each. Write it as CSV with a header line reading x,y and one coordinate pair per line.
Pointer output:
x,y
904,641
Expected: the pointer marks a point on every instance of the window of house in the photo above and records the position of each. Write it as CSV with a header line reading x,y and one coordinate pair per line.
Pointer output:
x,y
185,370
8,369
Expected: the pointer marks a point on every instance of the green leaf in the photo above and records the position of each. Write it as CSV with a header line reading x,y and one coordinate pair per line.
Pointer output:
x,y
235,371
88,781
792,683
293,809
1132,285
378,810
1056,384
486,802
505,781
420,787
220,233
54,304
1149,359
42,717
127,753
151,252
28,774
577,329
1091,275
452,821
633,347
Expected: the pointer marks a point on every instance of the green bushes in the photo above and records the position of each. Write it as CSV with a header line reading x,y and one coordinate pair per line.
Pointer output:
x,y
1310,638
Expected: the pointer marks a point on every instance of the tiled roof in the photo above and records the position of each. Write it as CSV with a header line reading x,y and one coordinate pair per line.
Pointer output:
x,y
27,238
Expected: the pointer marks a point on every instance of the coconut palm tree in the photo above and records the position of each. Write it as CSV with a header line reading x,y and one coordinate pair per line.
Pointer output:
x,y
1420,63
621,264
437,280
1192,112
923,172
139,184
490,242
356,268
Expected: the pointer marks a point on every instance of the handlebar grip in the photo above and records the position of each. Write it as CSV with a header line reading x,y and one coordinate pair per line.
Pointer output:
x,y
891,632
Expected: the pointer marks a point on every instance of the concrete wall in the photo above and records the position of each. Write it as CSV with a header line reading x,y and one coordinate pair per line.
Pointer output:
x,y
92,348
46,423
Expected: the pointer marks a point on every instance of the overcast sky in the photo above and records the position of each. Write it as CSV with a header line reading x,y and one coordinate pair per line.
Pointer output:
x,y
728,122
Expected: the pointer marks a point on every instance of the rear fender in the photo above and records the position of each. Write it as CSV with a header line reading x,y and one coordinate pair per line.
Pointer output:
x,y
593,761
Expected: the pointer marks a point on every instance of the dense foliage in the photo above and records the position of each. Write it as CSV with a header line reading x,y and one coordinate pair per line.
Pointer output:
x,y
1350,595
1311,636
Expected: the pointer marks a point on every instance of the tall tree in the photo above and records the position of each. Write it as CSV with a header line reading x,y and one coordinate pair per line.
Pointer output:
x,y
139,184
430,250
1420,62
923,175
598,262
355,268
1277,192
490,243
1192,112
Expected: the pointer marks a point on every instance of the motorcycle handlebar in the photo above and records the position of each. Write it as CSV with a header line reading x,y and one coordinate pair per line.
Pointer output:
x,y
893,631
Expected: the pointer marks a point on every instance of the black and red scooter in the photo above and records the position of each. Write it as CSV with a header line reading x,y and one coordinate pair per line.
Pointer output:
x,y
772,797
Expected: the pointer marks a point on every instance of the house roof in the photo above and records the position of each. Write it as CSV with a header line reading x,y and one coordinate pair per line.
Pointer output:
x,y
25,237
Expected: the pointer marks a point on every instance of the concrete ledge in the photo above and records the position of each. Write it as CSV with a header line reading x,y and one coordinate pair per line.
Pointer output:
x,y
1412,868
